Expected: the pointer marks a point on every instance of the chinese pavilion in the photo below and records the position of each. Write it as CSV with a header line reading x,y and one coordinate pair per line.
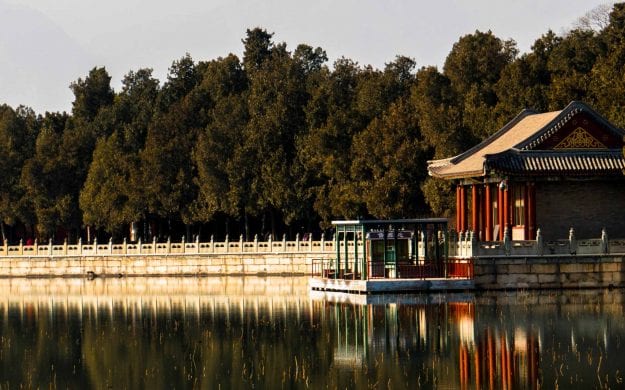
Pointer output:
x,y
551,170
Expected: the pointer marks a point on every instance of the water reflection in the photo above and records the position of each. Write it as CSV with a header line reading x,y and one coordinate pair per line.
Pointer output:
x,y
270,333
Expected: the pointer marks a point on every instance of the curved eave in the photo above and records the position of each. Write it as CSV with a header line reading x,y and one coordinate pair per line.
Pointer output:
x,y
574,163
451,176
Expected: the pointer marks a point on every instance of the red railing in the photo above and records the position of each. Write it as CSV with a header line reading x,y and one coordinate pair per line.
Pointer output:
x,y
452,269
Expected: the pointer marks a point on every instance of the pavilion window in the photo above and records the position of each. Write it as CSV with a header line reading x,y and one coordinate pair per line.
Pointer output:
x,y
518,196
495,213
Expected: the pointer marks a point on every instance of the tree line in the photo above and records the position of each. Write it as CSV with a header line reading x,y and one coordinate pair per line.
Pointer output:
x,y
280,142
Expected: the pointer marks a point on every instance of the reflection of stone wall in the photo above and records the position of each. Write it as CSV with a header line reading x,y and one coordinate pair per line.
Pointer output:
x,y
137,265
573,271
163,291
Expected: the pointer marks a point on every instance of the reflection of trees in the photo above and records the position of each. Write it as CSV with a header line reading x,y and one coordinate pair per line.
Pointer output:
x,y
40,347
492,341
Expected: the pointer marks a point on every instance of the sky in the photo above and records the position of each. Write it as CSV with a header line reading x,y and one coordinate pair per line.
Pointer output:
x,y
45,45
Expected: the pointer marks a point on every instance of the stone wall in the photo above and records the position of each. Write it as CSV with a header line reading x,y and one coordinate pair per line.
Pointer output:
x,y
544,272
587,206
287,263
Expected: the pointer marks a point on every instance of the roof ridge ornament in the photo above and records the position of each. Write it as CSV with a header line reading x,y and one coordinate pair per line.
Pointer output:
x,y
580,139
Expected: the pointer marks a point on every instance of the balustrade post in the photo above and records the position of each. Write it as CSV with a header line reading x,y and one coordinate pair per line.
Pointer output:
x,y
323,243
168,245
269,239
297,241
446,247
139,245
153,244
6,247
572,241
507,244
197,244
125,250
80,246
111,245
184,249
212,243
21,252
605,244
241,243
95,245
255,242
65,246
474,245
227,244
50,246
540,244
36,247
284,243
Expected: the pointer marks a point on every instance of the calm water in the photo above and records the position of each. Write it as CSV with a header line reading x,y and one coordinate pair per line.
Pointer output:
x,y
270,333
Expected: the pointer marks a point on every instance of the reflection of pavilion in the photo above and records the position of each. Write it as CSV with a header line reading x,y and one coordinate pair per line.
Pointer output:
x,y
499,360
442,334
367,332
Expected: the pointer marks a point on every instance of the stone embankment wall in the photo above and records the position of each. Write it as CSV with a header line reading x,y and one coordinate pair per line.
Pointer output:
x,y
285,263
549,271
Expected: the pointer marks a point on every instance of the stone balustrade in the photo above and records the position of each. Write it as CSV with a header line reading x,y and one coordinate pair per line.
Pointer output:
x,y
463,245
466,245
189,248
164,248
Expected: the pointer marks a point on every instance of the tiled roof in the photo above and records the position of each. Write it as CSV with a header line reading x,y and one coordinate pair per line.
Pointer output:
x,y
570,163
525,133
471,163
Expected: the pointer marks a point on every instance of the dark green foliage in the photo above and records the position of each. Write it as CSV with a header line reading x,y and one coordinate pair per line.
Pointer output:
x,y
279,142
91,94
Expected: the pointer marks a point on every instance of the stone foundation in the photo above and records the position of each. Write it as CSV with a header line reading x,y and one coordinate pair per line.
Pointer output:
x,y
549,272
160,265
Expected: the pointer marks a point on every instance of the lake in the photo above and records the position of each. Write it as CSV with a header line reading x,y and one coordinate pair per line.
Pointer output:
x,y
270,333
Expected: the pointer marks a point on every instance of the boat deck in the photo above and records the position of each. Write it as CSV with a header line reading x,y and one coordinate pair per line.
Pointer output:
x,y
373,286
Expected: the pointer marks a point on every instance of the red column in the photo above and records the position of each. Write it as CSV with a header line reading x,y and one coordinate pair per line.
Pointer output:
x,y
458,211
506,210
531,211
475,210
488,214
500,214
526,225
481,220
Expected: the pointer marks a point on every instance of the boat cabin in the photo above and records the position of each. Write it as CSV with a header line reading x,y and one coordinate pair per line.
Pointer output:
x,y
388,248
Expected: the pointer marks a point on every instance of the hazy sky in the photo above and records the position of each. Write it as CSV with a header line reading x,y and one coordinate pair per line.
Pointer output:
x,y
47,44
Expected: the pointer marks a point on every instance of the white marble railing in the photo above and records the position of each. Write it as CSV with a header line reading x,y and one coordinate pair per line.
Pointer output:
x,y
465,245
196,247
160,248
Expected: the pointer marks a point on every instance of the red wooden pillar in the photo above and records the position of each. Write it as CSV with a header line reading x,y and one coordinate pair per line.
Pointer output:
x,y
488,214
526,225
475,210
481,219
531,211
458,211
506,210
500,213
